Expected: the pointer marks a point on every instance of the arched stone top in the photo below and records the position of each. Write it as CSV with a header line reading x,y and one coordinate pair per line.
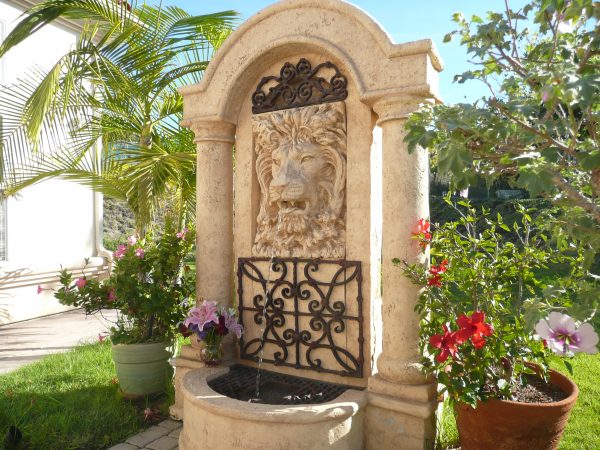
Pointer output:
x,y
363,50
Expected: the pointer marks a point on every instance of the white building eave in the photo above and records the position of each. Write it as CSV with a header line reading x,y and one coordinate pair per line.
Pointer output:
x,y
67,24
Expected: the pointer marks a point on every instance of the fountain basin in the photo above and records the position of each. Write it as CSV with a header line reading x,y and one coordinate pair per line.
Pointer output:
x,y
214,421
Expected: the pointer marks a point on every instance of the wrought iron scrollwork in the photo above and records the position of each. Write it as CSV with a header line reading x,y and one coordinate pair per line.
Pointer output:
x,y
298,86
305,319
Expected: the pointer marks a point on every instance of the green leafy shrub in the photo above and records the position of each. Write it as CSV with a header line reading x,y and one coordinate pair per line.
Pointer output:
x,y
482,296
150,285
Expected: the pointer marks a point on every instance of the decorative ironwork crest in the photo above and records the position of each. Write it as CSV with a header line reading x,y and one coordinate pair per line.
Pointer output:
x,y
298,86
311,318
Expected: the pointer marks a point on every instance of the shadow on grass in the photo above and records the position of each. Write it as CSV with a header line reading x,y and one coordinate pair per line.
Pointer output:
x,y
89,418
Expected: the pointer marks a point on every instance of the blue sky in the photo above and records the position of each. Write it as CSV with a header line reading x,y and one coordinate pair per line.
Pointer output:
x,y
404,21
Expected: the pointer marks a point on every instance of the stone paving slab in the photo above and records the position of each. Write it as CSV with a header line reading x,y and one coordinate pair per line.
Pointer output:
x,y
175,433
124,446
164,436
170,424
164,443
148,436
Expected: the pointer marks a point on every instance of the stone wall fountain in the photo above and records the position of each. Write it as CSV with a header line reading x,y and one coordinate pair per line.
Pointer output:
x,y
300,232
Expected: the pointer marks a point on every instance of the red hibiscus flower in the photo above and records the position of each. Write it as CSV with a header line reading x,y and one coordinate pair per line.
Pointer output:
x,y
423,234
474,328
435,278
447,343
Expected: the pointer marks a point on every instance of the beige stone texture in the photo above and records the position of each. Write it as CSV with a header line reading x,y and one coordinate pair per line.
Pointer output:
x,y
214,220
359,125
388,428
386,193
406,190
301,170
331,28
213,421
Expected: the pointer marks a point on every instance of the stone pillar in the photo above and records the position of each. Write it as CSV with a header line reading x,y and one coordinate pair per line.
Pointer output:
x,y
401,400
214,234
214,211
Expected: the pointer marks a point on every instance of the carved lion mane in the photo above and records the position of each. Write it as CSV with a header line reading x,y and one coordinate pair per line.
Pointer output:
x,y
301,169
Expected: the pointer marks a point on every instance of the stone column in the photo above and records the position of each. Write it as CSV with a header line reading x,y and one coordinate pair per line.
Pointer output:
x,y
214,234
214,211
401,400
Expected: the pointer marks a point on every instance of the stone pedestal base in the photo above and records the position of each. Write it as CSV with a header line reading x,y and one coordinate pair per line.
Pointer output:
x,y
400,416
214,421
188,360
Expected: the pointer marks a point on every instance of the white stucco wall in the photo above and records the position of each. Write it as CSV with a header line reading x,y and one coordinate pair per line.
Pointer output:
x,y
50,224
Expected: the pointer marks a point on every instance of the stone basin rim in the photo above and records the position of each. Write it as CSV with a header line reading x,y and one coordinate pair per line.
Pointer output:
x,y
197,391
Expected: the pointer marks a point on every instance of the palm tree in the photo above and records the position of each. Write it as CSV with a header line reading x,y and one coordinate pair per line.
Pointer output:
x,y
107,114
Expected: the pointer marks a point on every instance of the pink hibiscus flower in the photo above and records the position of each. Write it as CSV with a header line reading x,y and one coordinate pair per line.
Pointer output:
x,y
564,337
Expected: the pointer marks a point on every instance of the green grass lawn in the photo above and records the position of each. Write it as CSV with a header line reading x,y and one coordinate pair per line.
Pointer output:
x,y
583,431
71,401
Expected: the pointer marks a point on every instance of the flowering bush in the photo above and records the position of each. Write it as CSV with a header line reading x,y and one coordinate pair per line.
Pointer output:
x,y
211,323
150,286
482,295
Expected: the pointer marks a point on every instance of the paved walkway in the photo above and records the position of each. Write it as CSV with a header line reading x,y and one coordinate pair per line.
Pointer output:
x,y
164,436
25,342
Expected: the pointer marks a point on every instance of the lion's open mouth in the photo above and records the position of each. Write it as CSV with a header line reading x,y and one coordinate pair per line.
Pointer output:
x,y
288,206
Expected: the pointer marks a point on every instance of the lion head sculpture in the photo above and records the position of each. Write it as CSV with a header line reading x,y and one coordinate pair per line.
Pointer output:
x,y
301,168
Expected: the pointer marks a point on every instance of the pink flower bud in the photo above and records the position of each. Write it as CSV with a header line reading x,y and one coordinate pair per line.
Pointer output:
x,y
80,283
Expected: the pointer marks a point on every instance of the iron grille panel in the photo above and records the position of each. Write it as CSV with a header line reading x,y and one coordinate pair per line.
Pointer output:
x,y
276,388
313,312
299,85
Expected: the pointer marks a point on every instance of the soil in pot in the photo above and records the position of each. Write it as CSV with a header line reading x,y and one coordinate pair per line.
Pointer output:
x,y
518,425
538,391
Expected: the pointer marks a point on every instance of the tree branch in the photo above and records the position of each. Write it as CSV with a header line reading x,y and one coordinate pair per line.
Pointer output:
x,y
578,198
504,111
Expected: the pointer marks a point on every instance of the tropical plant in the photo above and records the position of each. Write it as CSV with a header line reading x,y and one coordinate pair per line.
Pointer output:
x,y
107,114
481,299
150,286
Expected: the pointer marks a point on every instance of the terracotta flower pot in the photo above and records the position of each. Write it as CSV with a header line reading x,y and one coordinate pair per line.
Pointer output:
x,y
508,425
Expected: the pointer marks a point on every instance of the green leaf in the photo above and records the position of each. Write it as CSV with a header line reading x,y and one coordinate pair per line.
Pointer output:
x,y
536,182
453,159
590,161
569,366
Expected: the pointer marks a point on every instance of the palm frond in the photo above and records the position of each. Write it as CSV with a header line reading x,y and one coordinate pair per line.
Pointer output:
x,y
117,87
109,11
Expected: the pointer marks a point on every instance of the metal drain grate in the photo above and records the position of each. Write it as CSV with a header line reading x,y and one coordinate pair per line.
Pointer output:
x,y
275,388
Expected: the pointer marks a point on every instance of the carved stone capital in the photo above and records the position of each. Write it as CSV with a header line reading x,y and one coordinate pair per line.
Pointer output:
x,y
396,107
211,130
